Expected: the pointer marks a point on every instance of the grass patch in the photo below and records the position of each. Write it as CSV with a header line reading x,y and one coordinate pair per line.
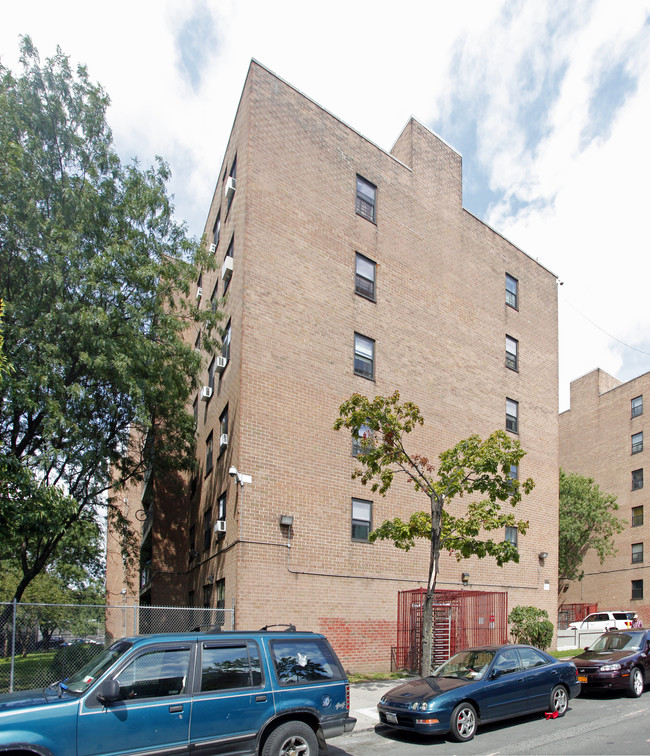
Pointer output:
x,y
566,653
30,671
358,677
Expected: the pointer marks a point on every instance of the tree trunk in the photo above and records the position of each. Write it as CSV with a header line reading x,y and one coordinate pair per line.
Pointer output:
x,y
426,656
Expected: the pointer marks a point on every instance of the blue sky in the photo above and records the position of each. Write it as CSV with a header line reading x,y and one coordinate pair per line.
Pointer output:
x,y
548,103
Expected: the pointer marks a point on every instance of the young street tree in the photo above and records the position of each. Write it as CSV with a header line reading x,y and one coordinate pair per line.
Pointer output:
x,y
472,466
95,276
587,521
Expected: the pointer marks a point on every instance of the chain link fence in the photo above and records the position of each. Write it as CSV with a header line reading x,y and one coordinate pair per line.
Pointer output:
x,y
43,643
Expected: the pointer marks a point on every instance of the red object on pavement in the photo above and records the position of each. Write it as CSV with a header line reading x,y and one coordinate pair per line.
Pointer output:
x,y
551,714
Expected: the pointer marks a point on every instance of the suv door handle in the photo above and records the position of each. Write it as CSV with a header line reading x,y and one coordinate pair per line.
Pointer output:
x,y
261,699
175,709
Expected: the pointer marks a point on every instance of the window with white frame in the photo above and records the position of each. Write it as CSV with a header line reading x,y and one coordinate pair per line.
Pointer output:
x,y
364,356
637,553
361,519
511,535
363,439
637,442
637,406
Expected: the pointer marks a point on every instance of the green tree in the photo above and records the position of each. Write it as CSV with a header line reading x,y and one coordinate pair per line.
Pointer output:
x,y
473,466
95,276
531,625
587,521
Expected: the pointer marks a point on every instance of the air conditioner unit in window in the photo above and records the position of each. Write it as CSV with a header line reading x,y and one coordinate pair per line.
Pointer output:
x,y
220,526
206,393
226,269
213,248
220,363
223,440
231,186
199,293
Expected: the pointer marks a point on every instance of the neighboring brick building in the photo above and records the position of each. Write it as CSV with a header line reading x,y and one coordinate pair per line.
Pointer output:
x,y
351,269
601,436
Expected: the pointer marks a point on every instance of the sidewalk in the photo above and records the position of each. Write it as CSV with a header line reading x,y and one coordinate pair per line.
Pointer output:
x,y
364,698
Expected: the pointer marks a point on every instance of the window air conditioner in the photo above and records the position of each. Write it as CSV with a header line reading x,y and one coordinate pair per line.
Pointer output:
x,y
213,248
223,440
231,186
206,393
199,293
221,363
220,526
226,269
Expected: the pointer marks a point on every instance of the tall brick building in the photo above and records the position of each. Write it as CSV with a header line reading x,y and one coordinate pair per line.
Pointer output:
x,y
346,269
602,437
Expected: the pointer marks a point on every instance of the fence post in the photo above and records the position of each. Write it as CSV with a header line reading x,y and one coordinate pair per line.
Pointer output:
x,y
13,647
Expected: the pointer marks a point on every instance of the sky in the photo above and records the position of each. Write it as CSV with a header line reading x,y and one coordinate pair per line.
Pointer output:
x,y
547,102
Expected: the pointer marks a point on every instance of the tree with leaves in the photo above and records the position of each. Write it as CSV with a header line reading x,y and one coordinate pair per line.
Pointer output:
x,y
531,625
95,276
473,466
587,522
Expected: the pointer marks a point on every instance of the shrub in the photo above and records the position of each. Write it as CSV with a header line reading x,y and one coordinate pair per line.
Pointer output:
x,y
531,625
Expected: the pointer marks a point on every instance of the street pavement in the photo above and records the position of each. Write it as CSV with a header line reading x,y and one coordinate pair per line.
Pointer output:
x,y
364,698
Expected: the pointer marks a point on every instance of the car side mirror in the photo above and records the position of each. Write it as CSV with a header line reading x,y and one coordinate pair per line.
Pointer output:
x,y
496,673
586,648
109,692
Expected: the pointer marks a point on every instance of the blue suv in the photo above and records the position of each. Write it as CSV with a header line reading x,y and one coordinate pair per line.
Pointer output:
x,y
263,692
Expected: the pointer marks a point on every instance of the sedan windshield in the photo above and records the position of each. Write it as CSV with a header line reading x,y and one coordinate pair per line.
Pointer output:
x,y
86,676
466,665
618,642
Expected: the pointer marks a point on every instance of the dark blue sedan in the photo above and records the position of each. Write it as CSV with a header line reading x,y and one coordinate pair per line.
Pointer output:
x,y
481,685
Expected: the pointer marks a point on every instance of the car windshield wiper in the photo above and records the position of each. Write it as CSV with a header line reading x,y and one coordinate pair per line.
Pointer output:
x,y
60,685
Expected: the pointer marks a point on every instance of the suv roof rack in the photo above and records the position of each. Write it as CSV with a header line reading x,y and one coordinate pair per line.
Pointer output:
x,y
287,628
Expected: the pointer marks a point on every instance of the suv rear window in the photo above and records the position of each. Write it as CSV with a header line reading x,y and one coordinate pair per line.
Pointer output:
x,y
622,615
304,661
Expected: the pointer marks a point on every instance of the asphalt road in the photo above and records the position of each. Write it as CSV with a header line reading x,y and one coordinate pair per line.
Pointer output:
x,y
607,723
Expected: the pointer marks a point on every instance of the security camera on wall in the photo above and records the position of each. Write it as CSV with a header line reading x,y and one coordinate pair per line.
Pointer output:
x,y
232,472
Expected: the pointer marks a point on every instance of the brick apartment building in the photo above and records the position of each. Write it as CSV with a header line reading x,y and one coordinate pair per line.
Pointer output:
x,y
601,436
346,269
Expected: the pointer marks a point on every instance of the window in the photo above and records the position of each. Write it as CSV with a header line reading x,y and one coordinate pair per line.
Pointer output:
x,y
223,428
364,356
230,253
511,535
213,298
531,657
230,666
361,519
364,283
207,595
637,516
513,475
512,351
637,443
511,291
221,514
366,197
216,230
225,343
211,373
512,415
637,553
192,540
304,661
637,479
233,175
207,528
155,674
208,455
361,439
637,589
195,411
220,594
637,406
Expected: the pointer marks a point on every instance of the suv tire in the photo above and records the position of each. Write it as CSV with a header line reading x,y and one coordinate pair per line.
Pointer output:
x,y
291,738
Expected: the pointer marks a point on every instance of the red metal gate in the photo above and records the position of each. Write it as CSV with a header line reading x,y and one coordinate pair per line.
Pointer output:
x,y
460,619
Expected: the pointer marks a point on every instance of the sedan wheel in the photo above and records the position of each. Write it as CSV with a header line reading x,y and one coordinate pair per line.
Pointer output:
x,y
559,700
463,722
636,683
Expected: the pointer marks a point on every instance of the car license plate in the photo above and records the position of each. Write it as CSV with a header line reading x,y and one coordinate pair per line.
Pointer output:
x,y
390,717
582,678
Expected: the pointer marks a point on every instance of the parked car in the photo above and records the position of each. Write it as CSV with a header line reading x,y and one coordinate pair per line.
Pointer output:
x,y
481,685
618,660
603,621
268,692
